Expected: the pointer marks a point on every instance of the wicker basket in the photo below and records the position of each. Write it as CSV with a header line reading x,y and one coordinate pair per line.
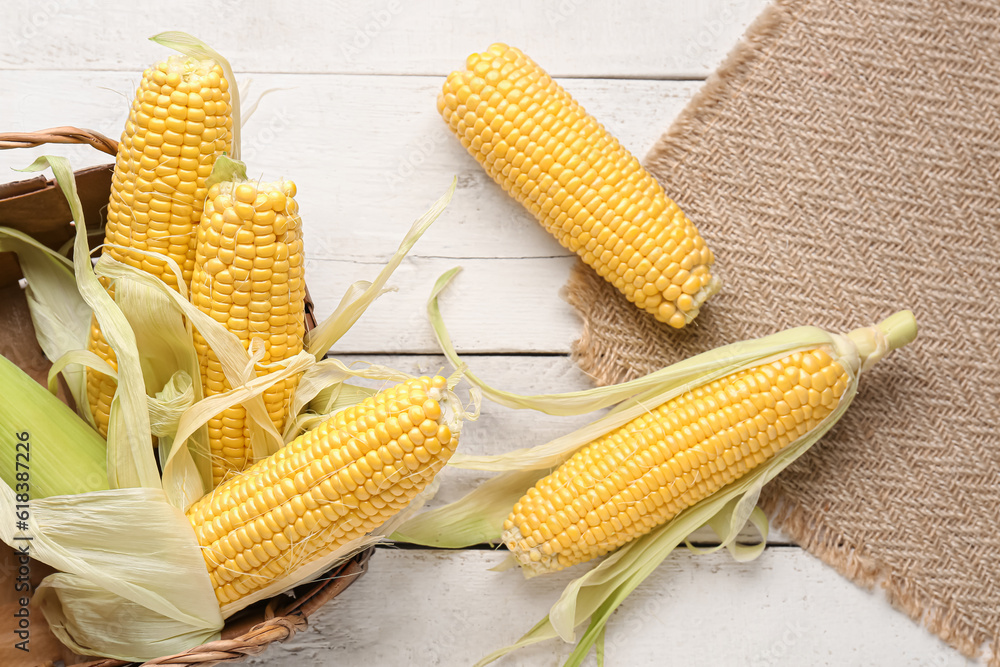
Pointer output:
x,y
37,207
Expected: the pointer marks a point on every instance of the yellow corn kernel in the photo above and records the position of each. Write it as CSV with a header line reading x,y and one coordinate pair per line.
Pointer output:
x,y
541,146
271,309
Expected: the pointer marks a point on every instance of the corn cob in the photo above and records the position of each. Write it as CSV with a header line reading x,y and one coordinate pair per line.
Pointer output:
x,y
248,276
179,123
327,487
579,182
624,484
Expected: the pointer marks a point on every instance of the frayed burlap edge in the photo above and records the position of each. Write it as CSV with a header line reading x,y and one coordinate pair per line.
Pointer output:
x,y
589,352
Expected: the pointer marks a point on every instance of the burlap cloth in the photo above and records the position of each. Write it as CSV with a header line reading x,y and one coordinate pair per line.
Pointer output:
x,y
844,163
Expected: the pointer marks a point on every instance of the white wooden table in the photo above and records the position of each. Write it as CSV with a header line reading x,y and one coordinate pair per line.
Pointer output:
x,y
353,122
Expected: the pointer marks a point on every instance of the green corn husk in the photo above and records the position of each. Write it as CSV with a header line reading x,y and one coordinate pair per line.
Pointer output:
x,y
593,597
34,425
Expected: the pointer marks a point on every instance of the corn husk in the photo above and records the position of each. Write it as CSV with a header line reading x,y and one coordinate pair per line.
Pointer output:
x,y
132,580
58,312
593,597
33,428
132,583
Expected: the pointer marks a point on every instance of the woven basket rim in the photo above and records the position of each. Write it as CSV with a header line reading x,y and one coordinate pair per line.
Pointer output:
x,y
280,623
64,134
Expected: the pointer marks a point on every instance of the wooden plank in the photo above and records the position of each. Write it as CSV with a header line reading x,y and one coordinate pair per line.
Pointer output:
x,y
430,607
494,305
572,37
